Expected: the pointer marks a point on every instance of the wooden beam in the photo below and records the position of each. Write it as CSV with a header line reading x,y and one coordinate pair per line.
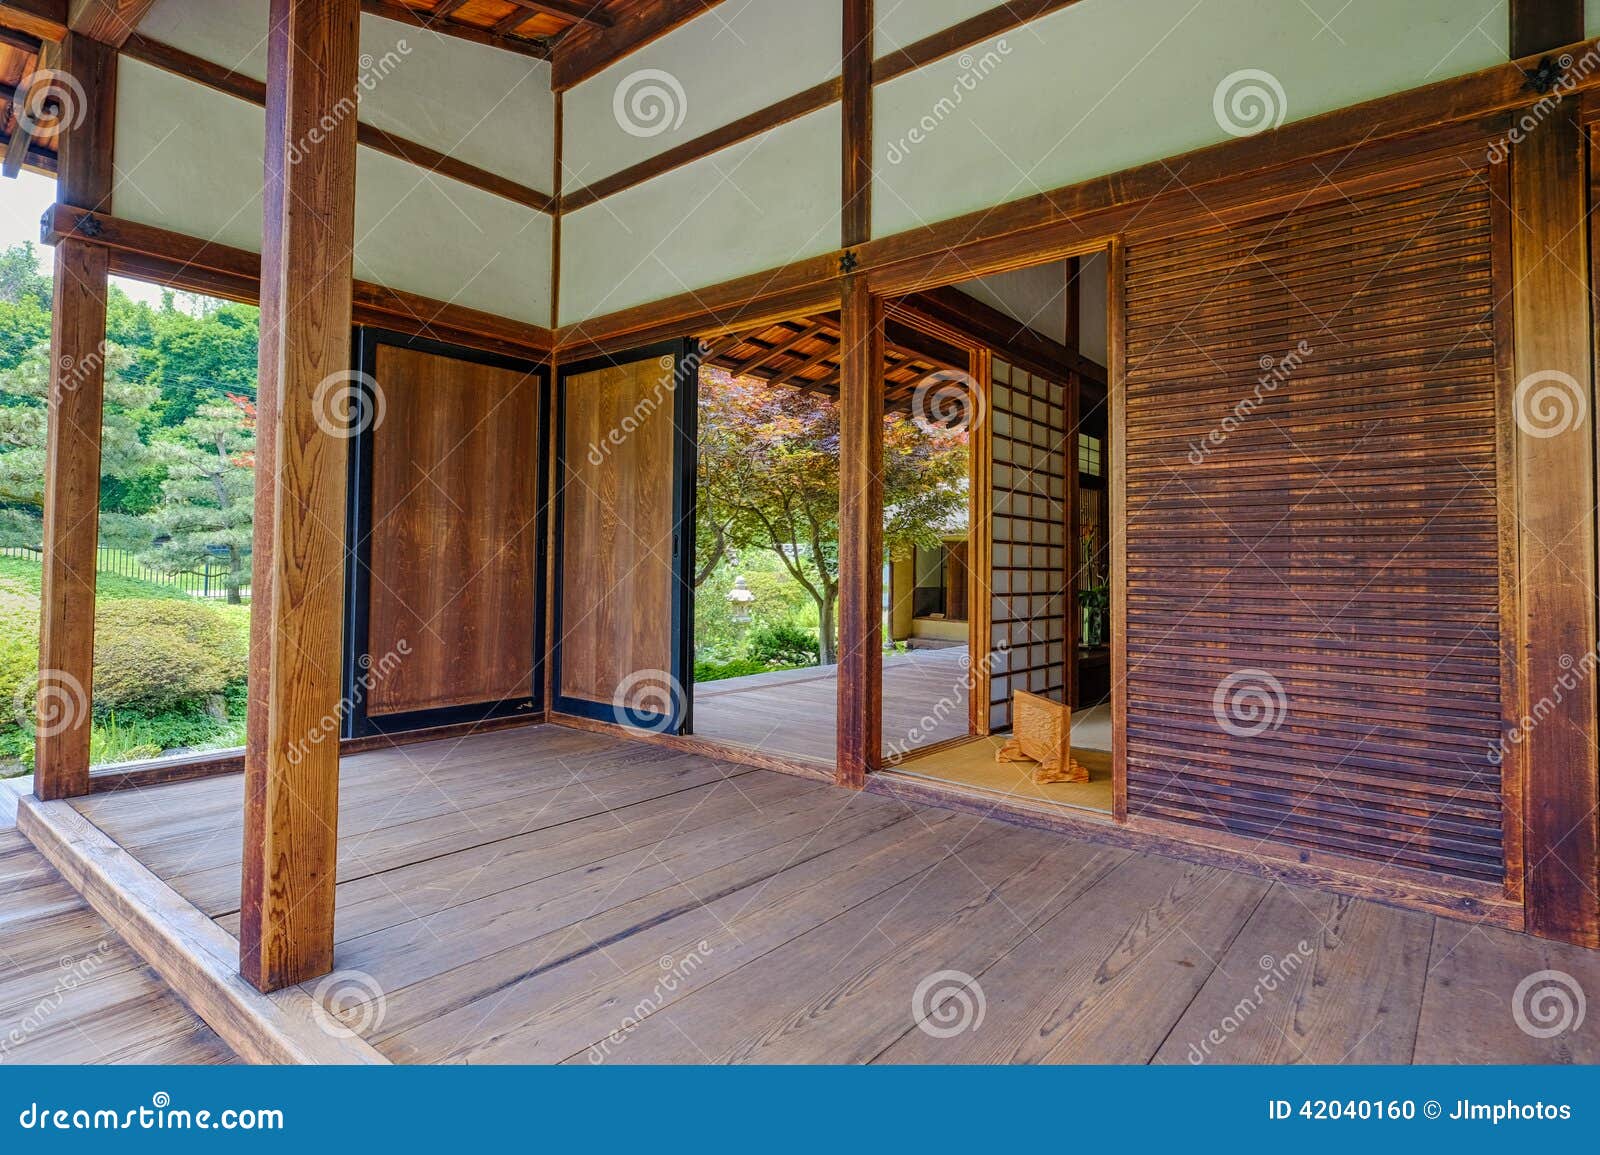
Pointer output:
x,y
296,677
244,87
985,25
1010,338
856,168
578,13
72,453
401,14
31,101
860,731
108,21
585,50
1544,25
1553,379
46,19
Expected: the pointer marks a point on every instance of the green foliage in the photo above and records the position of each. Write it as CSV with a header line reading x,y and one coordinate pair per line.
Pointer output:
x,y
207,499
784,644
705,671
778,598
157,653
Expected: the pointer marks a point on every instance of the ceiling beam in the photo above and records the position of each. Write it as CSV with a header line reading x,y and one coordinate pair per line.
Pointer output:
x,y
108,21
23,99
45,19
592,14
585,50
417,19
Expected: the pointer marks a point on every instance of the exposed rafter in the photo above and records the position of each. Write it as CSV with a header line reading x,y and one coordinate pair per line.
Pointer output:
x,y
108,21
418,18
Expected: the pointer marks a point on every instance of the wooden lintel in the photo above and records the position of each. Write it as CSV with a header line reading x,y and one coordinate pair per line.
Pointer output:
x,y
296,668
1009,338
45,19
401,14
108,21
585,50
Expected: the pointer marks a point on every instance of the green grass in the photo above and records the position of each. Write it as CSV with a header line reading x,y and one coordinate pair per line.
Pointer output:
x,y
217,722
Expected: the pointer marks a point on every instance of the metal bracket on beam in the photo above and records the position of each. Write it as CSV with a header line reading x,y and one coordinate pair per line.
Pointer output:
x,y
1551,71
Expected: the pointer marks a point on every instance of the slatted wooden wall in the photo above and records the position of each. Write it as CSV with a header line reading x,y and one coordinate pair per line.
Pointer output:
x,y
1314,581
1028,568
454,537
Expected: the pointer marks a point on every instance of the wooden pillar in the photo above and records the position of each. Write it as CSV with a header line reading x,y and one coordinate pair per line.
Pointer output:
x,y
860,734
72,454
857,112
1555,481
292,749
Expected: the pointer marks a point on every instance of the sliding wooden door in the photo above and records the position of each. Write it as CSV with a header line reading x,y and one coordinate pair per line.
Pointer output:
x,y
625,537
448,489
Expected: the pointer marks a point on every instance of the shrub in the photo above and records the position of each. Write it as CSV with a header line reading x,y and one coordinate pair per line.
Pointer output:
x,y
783,644
705,671
154,653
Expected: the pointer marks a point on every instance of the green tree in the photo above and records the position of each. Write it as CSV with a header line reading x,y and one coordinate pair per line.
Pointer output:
x,y
207,499
769,477
26,387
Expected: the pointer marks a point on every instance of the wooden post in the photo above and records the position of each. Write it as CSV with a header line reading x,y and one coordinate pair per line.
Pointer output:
x,y
292,750
856,196
1554,408
860,735
72,455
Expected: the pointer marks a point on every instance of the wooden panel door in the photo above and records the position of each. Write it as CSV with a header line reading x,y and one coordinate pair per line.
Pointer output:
x,y
625,537
449,529
1316,540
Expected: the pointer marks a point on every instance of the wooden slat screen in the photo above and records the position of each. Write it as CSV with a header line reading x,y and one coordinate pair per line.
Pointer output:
x,y
1028,579
1313,549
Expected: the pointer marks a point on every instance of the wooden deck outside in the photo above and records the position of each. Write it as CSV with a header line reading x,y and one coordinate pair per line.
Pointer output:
x,y
795,713
71,991
554,895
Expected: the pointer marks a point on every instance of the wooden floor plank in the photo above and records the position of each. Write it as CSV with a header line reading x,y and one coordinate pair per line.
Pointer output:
x,y
1472,1012
1312,978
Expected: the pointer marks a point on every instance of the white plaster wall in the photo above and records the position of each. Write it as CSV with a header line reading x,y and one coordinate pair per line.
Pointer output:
x,y
897,23
490,108
450,241
190,159
733,60
1105,85
1591,17
757,205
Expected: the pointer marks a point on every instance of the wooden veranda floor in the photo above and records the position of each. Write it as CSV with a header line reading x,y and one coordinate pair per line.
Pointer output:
x,y
71,991
554,895
795,714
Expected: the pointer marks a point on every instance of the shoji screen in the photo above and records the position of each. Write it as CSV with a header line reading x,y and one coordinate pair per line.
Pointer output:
x,y
1028,579
1313,535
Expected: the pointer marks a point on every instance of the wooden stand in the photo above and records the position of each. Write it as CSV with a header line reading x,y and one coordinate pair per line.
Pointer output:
x,y
1041,733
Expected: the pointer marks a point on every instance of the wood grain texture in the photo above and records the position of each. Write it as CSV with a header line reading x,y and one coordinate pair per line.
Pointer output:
x,y
108,21
291,769
856,137
1544,25
1313,532
586,50
513,894
617,533
860,728
1555,445
454,531
46,19
72,452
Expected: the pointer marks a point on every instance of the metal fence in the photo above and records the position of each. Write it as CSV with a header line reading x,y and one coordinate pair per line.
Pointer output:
x,y
211,582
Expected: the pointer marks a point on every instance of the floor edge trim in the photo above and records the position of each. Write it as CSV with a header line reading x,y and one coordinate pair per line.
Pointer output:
x,y
191,953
